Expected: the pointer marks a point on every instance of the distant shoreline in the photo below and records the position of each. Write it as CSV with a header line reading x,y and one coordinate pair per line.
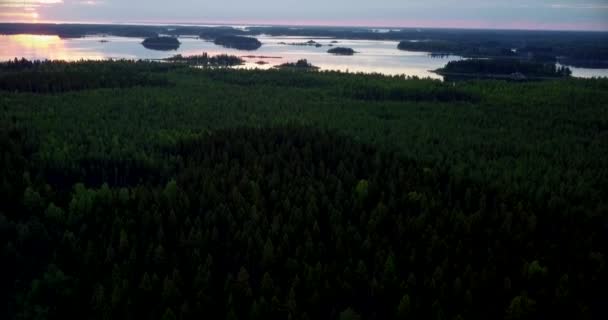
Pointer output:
x,y
284,25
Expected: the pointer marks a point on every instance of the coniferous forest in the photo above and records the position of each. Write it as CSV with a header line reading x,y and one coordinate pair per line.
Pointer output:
x,y
158,191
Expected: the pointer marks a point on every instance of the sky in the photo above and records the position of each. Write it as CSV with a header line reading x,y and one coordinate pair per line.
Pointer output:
x,y
508,14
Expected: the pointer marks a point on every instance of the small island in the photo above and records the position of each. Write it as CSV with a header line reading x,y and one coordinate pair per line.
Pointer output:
x,y
301,65
341,51
261,57
205,60
309,43
161,43
238,42
507,69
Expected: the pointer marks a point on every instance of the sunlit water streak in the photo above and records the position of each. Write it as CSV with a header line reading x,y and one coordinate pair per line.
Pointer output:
x,y
372,56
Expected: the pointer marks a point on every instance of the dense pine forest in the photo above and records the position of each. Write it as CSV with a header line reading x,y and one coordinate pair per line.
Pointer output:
x,y
160,191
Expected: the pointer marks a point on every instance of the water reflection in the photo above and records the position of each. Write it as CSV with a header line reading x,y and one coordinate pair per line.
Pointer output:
x,y
587,73
41,47
373,56
37,41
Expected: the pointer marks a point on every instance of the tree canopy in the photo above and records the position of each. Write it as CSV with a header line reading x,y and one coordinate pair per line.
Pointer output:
x,y
305,195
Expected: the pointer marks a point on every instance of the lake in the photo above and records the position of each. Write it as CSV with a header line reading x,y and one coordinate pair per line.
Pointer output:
x,y
372,56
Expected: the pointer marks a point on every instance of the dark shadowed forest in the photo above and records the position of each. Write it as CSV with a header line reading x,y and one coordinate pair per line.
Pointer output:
x,y
158,191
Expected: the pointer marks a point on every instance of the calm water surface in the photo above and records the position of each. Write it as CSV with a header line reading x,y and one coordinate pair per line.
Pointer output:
x,y
373,56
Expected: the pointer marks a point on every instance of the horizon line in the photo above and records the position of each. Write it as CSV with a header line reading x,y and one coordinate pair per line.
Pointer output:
x,y
308,24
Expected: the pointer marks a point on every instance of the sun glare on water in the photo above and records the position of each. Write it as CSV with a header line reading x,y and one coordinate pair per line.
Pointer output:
x,y
50,47
37,41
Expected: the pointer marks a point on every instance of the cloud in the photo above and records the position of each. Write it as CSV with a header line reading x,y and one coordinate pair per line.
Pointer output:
x,y
90,3
589,6
24,10
28,3
25,15
581,14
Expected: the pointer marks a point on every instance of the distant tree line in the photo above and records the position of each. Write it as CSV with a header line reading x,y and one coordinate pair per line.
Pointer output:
x,y
204,59
55,77
462,48
302,64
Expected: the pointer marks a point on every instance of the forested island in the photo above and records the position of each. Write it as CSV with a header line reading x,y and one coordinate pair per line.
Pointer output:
x,y
302,65
204,59
155,190
309,43
549,50
512,69
341,51
161,43
238,42
462,48
261,57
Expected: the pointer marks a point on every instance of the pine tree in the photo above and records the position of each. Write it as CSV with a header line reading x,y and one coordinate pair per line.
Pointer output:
x,y
404,308
268,254
169,315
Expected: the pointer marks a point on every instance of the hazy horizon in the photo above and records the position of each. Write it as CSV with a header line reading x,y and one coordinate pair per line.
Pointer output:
x,y
305,24
519,15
